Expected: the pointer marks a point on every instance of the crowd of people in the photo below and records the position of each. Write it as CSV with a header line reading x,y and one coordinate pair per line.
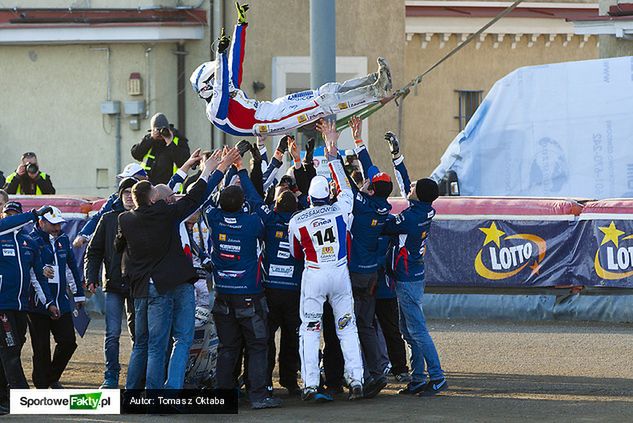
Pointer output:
x,y
265,251
249,250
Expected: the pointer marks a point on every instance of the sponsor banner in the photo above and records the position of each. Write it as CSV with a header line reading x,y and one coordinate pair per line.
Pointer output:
x,y
604,255
495,253
65,401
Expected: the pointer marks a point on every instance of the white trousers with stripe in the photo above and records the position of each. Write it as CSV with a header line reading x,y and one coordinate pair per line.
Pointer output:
x,y
318,286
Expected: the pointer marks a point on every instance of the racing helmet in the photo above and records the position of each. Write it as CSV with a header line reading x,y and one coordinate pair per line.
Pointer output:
x,y
202,79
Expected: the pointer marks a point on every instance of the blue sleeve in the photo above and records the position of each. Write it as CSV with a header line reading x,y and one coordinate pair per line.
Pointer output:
x,y
365,159
38,267
11,223
71,262
91,225
402,176
175,180
223,70
269,175
395,224
236,54
214,180
229,175
253,198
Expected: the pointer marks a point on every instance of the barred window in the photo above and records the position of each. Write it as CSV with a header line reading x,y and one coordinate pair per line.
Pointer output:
x,y
469,100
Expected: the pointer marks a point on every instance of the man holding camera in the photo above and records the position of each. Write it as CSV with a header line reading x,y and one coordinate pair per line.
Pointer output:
x,y
162,151
28,179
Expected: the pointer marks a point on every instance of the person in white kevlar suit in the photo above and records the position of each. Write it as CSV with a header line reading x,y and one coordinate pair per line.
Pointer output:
x,y
230,109
319,236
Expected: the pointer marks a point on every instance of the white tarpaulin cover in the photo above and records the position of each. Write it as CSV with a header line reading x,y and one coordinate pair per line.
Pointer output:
x,y
562,129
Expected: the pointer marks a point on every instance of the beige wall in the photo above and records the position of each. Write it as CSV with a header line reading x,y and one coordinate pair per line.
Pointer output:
x,y
430,123
52,96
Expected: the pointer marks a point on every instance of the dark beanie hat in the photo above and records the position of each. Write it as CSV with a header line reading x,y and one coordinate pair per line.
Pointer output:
x,y
426,190
126,183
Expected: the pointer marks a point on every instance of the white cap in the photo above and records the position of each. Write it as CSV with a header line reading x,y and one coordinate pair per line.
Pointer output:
x,y
131,170
54,216
319,188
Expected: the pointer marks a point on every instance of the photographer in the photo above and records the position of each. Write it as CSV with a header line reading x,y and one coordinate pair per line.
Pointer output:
x,y
28,179
162,151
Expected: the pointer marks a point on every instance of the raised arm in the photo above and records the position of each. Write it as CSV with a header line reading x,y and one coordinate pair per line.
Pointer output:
x,y
218,107
345,198
402,176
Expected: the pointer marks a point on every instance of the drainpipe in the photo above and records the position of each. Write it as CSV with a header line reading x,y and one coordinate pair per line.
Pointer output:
x,y
180,55
148,82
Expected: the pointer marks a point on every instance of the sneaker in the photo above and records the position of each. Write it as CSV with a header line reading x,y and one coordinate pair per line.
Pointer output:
x,y
434,387
355,391
394,144
334,390
314,394
403,377
268,402
374,387
110,380
413,388
56,385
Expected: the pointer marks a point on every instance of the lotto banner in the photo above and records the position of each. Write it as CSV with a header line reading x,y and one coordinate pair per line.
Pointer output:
x,y
604,256
499,253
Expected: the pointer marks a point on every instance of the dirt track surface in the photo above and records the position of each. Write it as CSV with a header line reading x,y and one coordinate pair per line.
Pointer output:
x,y
497,371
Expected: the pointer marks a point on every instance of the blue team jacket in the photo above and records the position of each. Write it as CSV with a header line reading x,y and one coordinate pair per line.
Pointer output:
x,y
58,251
370,214
20,266
235,255
280,269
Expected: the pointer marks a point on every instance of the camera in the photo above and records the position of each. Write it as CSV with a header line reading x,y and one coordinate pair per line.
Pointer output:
x,y
165,132
32,168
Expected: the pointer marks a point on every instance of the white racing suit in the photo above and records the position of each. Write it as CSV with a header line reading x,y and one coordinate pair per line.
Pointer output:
x,y
319,234
234,113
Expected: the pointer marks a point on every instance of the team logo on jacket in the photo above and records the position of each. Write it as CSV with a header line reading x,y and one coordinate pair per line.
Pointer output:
x,y
302,118
503,256
343,106
222,237
263,129
279,234
344,321
374,222
614,257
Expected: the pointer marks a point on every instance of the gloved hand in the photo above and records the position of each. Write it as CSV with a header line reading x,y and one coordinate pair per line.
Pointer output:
x,y
223,42
42,211
309,150
243,146
241,13
257,156
282,147
394,144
